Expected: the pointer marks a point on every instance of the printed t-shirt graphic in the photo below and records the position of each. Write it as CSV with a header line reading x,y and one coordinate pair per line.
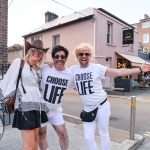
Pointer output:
x,y
84,83
55,84
88,83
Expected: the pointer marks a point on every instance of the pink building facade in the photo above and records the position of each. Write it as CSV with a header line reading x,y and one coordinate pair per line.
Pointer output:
x,y
95,26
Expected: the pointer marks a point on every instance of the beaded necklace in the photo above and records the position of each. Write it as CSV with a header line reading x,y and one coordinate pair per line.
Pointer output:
x,y
37,76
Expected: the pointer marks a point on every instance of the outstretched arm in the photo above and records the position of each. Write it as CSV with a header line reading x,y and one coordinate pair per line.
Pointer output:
x,y
124,71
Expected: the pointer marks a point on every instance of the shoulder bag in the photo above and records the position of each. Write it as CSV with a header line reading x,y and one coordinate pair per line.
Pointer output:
x,y
8,106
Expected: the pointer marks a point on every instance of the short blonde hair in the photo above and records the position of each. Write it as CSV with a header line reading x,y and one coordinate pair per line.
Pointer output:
x,y
83,46
40,62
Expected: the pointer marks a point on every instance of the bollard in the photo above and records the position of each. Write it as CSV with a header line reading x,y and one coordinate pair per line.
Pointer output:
x,y
132,117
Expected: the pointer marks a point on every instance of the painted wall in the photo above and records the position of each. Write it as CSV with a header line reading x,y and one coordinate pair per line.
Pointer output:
x,y
141,31
70,37
104,49
92,31
15,54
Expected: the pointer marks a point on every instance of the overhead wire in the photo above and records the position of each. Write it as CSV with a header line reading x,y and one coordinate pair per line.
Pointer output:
x,y
10,3
68,7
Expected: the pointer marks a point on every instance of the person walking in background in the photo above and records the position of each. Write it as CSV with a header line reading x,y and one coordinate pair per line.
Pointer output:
x,y
55,80
30,108
87,79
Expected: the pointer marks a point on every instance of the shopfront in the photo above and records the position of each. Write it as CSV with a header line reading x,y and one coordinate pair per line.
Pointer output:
x,y
127,61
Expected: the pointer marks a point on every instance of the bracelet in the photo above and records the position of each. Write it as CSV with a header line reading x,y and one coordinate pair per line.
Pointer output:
x,y
140,70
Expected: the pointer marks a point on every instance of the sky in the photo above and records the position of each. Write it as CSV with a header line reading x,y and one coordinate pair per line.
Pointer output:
x,y
26,15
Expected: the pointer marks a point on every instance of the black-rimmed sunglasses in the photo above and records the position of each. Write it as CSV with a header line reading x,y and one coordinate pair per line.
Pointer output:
x,y
82,54
60,56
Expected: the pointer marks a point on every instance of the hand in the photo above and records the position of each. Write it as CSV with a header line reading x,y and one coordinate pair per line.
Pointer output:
x,y
145,67
51,64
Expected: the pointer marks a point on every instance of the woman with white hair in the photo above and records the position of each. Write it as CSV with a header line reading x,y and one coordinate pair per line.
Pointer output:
x,y
30,108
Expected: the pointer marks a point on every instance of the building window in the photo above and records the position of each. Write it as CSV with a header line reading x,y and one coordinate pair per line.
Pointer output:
x,y
36,38
145,38
145,24
109,33
56,40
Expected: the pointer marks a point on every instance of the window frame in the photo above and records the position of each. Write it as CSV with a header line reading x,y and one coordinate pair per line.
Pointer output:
x,y
109,33
39,37
146,24
145,38
55,40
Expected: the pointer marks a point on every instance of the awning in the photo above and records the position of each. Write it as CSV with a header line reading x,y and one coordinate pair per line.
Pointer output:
x,y
135,60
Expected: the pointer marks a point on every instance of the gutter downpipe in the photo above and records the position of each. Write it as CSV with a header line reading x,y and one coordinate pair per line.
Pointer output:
x,y
95,35
94,19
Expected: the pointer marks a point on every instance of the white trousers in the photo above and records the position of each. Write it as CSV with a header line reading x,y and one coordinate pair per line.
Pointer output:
x,y
102,120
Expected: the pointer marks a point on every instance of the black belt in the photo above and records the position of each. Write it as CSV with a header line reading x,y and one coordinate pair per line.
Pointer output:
x,y
103,102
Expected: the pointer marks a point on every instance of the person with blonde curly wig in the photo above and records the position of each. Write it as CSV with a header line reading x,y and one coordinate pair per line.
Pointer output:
x,y
87,79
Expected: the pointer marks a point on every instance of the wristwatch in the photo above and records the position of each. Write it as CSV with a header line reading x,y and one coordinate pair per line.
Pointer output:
x,y
140,70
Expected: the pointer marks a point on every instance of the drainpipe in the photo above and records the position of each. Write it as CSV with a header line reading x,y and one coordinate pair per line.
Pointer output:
x,y
95,35
24,47
94,20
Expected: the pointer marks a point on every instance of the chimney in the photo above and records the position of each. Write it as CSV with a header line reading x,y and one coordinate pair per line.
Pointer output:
x,y
146,16
49,16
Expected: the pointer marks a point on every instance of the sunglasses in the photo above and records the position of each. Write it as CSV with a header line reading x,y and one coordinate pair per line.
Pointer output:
x,y
86,54
60,56
41,52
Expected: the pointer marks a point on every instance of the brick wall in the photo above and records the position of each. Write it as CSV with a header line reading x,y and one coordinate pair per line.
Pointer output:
x,y
3,31
141,31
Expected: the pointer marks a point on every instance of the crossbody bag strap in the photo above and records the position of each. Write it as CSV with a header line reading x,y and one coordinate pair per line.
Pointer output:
x,y
19,75
21,67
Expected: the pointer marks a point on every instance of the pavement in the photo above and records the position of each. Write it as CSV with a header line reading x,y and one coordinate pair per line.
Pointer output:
x,y
120,140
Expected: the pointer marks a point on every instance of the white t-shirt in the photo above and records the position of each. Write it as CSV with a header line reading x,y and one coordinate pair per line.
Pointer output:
x,y
55,84
88,84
